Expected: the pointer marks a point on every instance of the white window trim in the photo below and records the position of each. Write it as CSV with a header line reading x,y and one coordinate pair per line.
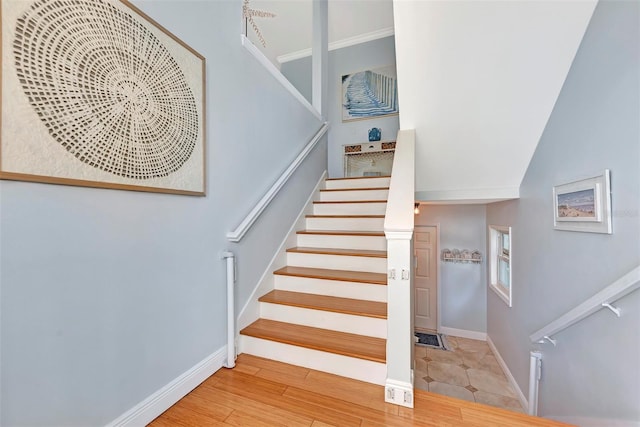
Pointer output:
x,y
494,254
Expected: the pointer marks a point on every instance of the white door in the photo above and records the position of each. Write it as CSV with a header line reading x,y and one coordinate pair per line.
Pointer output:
x,y
426,287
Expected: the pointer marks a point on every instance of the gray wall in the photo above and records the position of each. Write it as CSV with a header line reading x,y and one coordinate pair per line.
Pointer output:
x,y
593,372
376,53
108,295
463,303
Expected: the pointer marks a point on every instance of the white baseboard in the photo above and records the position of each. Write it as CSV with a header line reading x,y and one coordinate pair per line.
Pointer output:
x,y
463,333
595,422
147,410
523,400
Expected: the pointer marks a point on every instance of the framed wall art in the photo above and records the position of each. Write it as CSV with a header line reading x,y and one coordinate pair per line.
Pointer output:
x,y
369,94
95,93
583,205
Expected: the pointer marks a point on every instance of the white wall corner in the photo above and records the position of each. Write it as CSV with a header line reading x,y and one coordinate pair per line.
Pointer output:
x,y
151,407
251,310
510,377
463,333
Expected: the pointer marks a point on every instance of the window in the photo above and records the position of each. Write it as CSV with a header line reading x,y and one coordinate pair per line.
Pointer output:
x,y
500,261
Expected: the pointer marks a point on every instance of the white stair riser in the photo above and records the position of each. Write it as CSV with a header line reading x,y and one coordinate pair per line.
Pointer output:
x,y
357,183
334,288
352,324
350,367
378,208
327,196
337,262
361,224
374,243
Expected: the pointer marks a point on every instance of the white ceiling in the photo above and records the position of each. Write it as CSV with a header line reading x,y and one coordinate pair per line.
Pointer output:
x,y
290,30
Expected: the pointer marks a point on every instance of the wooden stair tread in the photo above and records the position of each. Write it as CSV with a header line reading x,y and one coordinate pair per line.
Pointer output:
x,y
358,177
356,307
344,216
320,202
342,233
358,346
344,252
354,189
341,275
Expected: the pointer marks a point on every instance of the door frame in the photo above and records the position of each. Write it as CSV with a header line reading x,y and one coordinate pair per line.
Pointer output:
x,y
437,267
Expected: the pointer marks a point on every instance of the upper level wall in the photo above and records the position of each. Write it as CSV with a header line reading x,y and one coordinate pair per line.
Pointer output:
x,y
593,371
373,54
478,81
109,295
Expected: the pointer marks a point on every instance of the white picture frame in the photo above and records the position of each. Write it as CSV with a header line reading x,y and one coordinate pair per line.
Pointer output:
x,y
584,205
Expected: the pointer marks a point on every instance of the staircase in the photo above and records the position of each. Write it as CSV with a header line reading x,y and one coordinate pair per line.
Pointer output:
x,y
328,310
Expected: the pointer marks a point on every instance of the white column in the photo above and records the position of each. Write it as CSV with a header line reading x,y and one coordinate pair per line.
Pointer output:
x,y
400,342
320,56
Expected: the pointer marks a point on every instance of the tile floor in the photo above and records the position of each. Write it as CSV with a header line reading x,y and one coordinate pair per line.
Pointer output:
x,y
468,371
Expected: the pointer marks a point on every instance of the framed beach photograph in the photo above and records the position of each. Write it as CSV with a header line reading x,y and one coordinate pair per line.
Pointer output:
x,y
95,93
369,94
583,205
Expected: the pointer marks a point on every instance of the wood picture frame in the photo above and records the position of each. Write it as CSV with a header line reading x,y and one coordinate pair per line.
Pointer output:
x,y
96,93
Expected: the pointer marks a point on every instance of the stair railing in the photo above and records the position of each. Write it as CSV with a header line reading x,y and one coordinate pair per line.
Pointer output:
x,y
398,229
603,299
244,226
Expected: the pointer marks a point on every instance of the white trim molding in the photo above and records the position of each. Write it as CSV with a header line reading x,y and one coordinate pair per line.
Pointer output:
x,y
339,44
147,410
508,374
464,333
257,53
468,196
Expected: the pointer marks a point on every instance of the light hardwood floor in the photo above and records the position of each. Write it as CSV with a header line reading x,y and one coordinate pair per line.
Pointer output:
x,y
260,392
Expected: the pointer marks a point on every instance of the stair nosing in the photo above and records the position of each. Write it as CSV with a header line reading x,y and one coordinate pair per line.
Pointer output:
x,y
355,189
358,177
344,216
265,299
343,233
348,201
338,252
319,273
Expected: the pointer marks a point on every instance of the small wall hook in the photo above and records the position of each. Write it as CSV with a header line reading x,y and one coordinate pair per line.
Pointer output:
x,y
552,341
616,310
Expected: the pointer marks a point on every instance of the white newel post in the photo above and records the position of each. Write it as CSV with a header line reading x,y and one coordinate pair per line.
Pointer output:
x,y
398,228
400,344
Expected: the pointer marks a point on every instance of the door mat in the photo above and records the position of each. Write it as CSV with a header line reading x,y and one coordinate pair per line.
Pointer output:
x,y
430,340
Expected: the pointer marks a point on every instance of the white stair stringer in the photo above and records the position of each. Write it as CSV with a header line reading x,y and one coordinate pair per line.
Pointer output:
x,y
333,184
345,366
349,323
337,262
332,288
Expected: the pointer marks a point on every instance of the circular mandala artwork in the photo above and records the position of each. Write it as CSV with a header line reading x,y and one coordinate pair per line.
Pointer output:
x,y
105,87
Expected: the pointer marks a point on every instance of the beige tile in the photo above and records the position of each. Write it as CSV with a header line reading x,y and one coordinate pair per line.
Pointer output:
x,y
472,345
419,351
420,365
484,362
447,373
444,356
451,391
489,382
503,402
421,383
452,342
